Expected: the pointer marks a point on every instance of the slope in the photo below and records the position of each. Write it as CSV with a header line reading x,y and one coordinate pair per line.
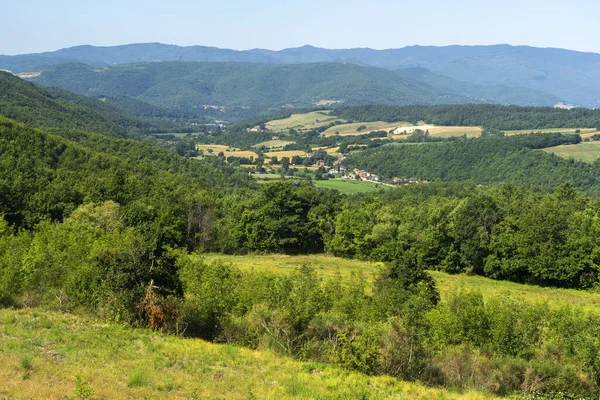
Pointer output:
x,y
52,355
194,86
570,75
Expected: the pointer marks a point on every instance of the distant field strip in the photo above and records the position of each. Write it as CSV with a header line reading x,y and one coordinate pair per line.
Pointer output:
x,y
352,129
306,121
348,186
584,151
550,130
274,143
216,149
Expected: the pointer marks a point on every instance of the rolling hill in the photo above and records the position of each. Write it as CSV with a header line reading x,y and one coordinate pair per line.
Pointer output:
x,y
222,86
570,75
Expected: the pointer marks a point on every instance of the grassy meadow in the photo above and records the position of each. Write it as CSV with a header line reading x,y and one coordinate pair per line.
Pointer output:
x,y
306,121
50,355
329,267
351,129
226,150
583,131
349,186
274,144
584,151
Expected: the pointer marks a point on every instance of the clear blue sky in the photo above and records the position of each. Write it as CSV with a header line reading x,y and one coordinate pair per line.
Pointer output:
x,y
35,25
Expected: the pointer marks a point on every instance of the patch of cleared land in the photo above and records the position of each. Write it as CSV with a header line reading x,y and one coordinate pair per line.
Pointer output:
x,y
584,151
450,131
349,186
306,121
227,151
274,144
351,129
290,153
329,267
550,130
44,352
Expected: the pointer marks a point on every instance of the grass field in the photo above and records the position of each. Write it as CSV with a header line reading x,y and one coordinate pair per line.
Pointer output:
x,y
48,355
550,130
306,121
227,151
450,131
348,186
351,129
584,151
290,153
274,144
329,267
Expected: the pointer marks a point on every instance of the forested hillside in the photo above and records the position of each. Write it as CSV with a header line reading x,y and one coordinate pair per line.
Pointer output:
x,y
483,161
485,115
541,73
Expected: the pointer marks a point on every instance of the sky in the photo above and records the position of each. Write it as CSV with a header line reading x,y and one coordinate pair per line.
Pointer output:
x,y
31,26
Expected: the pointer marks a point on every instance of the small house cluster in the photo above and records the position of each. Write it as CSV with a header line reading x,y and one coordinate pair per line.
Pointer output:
x,y
361,175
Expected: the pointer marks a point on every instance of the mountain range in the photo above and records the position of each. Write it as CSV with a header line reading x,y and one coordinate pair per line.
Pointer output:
x,y
501,73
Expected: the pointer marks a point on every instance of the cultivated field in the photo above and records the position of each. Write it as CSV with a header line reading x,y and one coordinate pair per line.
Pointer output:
x,y
348,186
351,129
226,150
330,266
450,131
274,144
48,355
550,130
584,151
306,121
290,154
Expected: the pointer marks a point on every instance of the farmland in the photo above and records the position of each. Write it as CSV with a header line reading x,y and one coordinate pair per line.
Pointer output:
x,y
305,121
348,186
584,151
226,150
48,355
274,144
583,132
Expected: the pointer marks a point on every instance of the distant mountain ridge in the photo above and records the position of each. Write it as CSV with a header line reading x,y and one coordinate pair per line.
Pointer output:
x,y
192,86
569,75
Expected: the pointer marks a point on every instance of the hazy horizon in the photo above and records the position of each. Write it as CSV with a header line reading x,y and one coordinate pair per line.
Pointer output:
x,y
380,24
300,46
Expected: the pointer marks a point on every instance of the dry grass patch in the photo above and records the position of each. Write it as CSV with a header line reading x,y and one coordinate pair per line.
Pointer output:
x,y
226,150
109,361
306,121
290,153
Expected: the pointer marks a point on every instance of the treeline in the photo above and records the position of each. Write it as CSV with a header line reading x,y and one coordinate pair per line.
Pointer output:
x,y
493,159
484,115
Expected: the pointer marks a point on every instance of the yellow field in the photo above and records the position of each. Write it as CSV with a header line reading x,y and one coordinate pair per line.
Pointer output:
x,y
589,134
307,121
289,154
550,130
450,131
44,354
217,148
350,129
584,151
274,144
330,266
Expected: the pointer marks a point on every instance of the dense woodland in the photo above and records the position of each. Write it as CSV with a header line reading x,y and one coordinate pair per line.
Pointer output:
x,y
113,227
491,116
513,159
